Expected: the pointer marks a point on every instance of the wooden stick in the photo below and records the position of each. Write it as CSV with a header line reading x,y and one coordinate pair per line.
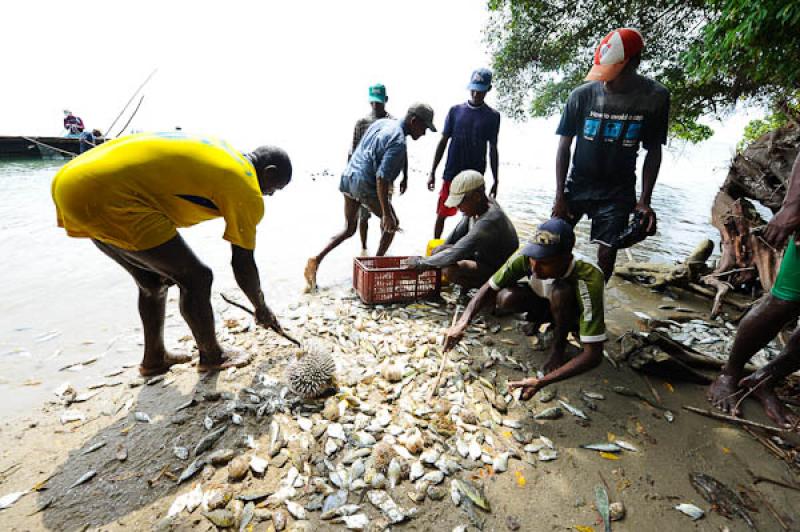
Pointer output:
x,y
759,478
108,131
769,506
121,131
445,357
277,328
736,420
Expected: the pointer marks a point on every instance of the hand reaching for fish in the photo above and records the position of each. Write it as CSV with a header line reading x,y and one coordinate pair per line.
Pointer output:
x,y
529,387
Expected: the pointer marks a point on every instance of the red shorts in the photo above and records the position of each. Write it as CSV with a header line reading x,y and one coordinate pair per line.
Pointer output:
x,y
441,209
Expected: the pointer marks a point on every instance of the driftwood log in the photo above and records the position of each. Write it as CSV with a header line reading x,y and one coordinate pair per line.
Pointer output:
x,y
759,173
747,264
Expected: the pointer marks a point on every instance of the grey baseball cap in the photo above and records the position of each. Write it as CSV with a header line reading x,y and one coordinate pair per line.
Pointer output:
x,y
424,112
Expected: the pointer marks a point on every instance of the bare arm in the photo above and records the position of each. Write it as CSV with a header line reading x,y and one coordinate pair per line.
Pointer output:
x,y
388,222
483,297
437,158
494,164
589,358
404,181
652,164
787,220
563,153
246,273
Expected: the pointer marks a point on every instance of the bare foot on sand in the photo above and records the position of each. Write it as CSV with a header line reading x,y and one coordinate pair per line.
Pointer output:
x,y
168,361
724,393
553,362
773,407
310,274
231,358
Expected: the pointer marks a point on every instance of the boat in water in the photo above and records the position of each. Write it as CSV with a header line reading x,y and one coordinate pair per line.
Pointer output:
x,y
23,147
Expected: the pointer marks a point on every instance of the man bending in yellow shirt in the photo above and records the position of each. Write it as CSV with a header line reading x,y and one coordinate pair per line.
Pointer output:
x,y
131,194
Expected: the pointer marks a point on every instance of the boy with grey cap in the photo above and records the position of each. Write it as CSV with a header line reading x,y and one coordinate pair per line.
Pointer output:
x,y
560,289
482,240
369,175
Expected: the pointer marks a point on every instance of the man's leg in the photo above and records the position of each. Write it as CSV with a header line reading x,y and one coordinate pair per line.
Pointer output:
x,y
609,219
386,237
521,298
363,227
351,207
174,260
438,227
762,383
564,308
756,330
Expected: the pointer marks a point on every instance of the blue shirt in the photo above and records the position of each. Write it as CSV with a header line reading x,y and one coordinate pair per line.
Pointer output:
x,y
380,153
87,141
469,129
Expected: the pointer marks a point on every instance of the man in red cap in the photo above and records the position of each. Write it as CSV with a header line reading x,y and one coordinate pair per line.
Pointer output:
x,y
611,115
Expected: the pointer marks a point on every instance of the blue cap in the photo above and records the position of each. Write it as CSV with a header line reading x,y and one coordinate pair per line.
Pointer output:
x,y
481,80
552,238
377,93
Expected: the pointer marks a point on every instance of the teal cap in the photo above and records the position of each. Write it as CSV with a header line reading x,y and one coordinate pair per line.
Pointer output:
x,y
377,93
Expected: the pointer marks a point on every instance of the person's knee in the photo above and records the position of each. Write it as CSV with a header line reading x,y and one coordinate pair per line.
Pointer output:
x,y
506,301
153,286
200,278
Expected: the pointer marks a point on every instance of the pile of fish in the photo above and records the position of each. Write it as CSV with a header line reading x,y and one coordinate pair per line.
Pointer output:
x,y
369,455
713,339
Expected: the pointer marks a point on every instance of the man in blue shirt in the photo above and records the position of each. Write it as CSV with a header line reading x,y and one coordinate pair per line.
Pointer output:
x,y
90,139
369,175
469,127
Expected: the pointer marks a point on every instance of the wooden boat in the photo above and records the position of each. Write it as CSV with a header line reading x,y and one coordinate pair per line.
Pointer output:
x,y
38,147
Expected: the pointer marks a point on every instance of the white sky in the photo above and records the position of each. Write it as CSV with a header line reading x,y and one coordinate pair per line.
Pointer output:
x,y
292,73
250,72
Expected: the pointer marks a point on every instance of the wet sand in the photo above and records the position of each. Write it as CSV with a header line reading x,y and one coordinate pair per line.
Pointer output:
x,y
38,451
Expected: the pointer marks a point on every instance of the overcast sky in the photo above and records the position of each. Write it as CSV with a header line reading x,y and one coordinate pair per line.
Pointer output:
x,y
293,73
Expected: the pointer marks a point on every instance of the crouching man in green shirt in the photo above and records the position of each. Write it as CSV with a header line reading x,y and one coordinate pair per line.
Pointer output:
x,y
559,289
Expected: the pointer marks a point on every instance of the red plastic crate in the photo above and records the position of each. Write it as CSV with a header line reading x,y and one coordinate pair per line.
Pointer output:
x,y
389,280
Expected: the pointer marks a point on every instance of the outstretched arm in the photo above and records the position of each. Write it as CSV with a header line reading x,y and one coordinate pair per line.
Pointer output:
x,y
590,357
483,297
494,163
246,273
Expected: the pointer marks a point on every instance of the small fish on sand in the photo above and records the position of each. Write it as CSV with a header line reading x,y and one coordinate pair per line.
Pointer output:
x,y
602,447
86,477
577,412
554,412
691,510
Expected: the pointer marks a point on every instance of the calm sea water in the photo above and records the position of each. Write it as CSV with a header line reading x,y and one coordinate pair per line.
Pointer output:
x,y
63,301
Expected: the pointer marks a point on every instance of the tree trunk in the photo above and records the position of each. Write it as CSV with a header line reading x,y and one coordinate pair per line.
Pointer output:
x,y
760,173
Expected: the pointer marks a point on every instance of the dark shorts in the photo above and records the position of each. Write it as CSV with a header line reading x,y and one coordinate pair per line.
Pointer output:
x,y
609,218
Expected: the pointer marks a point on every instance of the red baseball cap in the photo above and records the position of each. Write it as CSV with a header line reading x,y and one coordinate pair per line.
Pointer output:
x,y
614,52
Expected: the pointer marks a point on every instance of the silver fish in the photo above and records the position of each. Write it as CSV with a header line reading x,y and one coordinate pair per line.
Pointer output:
x,y
142,417
209,440
86,477
94,447
602,447
627,446
191,470
553,412
601,501
594,395
577,412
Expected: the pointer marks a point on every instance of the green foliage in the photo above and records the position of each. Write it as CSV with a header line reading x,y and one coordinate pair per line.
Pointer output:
x,y
711,54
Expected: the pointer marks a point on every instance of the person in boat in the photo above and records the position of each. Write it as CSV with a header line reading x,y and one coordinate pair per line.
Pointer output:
x,y
377,101
369,175
759,326
482,240
90,139
73,124
118,198
559,289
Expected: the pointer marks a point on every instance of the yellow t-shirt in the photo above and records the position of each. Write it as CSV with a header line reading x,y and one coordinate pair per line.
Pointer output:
x,y
134,192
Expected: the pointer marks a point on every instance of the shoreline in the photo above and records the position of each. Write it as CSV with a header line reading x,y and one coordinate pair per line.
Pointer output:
x,y
649,482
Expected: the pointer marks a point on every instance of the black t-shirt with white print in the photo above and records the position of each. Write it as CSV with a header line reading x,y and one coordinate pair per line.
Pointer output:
x,y
609,128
